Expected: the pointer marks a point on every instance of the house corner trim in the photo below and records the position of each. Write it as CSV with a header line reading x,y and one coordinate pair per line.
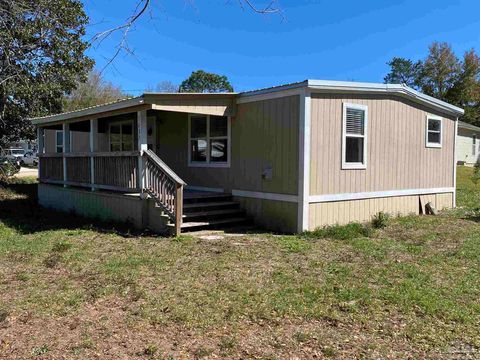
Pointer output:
x,y
304,160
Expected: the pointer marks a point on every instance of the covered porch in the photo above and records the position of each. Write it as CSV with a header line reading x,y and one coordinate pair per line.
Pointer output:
x,y
116,148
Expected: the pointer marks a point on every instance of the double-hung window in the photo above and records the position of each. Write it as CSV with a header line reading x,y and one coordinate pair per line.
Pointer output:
x,y
58,141
433,131
121,136
209,141
474,145
354,142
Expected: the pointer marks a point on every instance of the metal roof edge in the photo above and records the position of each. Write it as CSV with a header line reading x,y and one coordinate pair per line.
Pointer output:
x,y
120,104
464,125
399,89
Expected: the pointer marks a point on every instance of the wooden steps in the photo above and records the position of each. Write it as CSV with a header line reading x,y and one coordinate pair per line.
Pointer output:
x,y
203,211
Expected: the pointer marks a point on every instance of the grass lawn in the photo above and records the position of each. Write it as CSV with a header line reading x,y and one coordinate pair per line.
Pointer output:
x,y
73,289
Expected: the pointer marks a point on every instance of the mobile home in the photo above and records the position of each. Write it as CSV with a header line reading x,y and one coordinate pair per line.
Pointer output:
x,y
468,137
291,158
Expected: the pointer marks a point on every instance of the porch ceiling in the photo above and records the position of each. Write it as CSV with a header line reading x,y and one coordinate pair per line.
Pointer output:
x,y
209,104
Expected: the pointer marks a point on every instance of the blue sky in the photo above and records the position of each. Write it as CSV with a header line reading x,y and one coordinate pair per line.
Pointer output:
x,y
316,39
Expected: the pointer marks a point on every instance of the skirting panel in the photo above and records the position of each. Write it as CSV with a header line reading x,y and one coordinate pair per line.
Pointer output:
x,y
344,212
273,215
103,206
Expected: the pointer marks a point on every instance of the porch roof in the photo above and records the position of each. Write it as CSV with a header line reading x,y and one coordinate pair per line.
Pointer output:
x,y
199,103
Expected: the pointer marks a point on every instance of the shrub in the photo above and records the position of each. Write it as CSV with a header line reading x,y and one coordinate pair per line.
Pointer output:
x,y
380,220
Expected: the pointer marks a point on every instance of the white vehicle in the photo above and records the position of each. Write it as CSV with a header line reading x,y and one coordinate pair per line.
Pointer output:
x,y
30,158
24,157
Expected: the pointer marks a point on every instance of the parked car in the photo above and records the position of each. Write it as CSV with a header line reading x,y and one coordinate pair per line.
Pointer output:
x,y
30,158
22,156
14,154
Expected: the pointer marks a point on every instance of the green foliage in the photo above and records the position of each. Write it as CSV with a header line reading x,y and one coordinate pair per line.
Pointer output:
x,y
440,71
341,232
444,76
204,82
94,91
42,52
403,71
380,220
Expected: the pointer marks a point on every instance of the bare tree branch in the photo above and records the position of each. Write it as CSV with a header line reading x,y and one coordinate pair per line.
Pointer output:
x,y
268,9
141,8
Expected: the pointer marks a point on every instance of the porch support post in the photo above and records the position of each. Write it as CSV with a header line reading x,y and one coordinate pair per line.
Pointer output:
x,y
66,149
142,146
93,148
40,140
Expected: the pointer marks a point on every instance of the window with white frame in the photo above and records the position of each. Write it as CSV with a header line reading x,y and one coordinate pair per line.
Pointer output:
x,y
209,140
354,142
474,145
58,141
434,131
121,136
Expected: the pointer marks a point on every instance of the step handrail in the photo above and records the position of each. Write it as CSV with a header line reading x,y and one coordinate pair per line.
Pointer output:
x,y
165,187
154,157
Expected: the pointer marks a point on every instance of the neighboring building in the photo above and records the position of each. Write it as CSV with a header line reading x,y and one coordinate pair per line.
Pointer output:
x,y
292,157
468,138
23,144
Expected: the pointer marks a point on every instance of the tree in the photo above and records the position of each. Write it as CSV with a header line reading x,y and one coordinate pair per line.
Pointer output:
x,y
466,90
404,71
94,91
41,58
440,71
164,86
204,82
444,76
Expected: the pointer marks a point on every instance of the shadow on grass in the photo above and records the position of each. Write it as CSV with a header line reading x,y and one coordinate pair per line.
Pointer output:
x,y
20,211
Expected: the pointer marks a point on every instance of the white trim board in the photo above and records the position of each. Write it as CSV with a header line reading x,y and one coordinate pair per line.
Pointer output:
x,y
265,196
304,161
377,194
204,188
455,159
269,96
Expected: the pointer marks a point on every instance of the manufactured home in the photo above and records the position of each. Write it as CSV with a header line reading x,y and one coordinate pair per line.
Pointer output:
x,y
468,137
289,158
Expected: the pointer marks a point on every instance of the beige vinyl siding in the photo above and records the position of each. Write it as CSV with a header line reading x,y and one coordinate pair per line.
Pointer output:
x,y
49,143
343,212
220,106
275,215
80,141
397,158
464,146
263,134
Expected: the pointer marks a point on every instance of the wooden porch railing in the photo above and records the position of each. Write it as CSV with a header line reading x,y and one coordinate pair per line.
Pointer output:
x,y
118,171
166,187
50,167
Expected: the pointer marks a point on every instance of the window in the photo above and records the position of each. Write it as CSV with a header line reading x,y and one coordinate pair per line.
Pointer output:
x,y
434,131
121,136
474,145
209,141
354,144
59,141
